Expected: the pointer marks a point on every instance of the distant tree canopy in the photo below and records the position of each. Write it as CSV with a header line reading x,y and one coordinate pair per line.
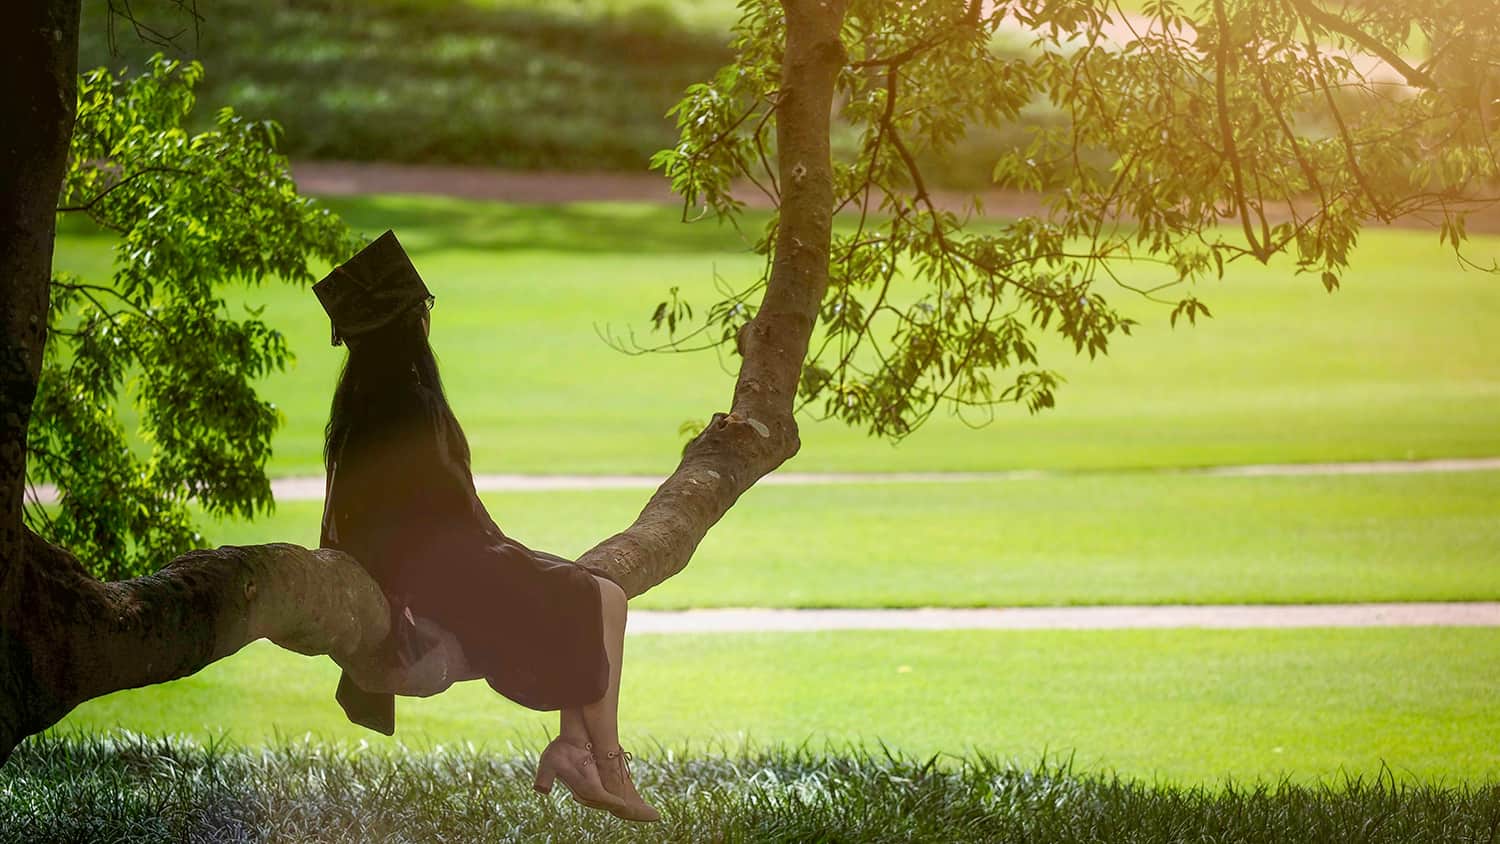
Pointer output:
x,y
193,214
580,84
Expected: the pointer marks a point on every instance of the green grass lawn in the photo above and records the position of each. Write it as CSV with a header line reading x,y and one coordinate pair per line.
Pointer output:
x,y
1186,706
1398,364
1105,539
129,788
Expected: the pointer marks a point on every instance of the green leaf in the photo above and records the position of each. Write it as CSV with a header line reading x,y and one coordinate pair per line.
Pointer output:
x,y
193,214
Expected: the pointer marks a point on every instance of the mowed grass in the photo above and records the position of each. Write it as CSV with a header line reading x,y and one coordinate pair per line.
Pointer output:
x,y
1398,364
135,788
1100,539
1179,706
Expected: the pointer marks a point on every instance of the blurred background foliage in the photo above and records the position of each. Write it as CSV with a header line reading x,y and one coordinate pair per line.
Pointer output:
x,y
520,84
571,85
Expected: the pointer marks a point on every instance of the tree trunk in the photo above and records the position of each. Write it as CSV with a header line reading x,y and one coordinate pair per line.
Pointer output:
x,y
759,433
39,63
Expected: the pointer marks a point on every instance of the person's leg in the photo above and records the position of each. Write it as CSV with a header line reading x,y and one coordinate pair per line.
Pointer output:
x,y
571,727
585,730
601,718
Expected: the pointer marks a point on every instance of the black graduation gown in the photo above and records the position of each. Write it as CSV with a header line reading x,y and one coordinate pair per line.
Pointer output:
x,y
405,508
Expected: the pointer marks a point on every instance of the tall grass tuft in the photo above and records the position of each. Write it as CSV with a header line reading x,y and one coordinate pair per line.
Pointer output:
x,y
126,787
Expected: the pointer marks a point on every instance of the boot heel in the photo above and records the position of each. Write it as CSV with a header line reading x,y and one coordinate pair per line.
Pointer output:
x,y
575,768
544,778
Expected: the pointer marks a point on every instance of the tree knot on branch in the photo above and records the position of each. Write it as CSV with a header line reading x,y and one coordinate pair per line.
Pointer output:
x,y
830,51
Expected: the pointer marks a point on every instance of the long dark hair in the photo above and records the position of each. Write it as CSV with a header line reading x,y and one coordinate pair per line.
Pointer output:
x,y
383,369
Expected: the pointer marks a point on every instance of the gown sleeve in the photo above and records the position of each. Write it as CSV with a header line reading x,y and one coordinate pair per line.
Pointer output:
x,y
379,518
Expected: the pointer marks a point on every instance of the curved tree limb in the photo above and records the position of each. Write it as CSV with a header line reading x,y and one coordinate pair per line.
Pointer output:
x,y
759,433
66,637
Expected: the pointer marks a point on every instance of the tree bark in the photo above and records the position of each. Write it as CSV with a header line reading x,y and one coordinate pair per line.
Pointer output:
x,y
71,638
759,433
39,63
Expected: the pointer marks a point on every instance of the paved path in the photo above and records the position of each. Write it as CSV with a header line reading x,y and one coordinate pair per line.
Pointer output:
x,y
1485,614
353,178
311,488
356,178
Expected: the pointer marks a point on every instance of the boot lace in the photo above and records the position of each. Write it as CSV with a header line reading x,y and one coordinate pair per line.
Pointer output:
x,y
624,756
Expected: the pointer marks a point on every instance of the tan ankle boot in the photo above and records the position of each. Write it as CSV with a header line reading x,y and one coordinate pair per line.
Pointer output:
x,y
614,772
576,767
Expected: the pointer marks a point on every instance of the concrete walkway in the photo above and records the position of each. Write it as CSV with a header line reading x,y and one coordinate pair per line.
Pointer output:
x,y
1485,614
311,488
354,178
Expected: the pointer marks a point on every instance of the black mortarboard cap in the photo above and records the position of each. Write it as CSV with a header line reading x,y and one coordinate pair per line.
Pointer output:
x,y
371,289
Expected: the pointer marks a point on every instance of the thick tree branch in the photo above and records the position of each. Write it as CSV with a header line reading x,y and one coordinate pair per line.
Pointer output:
x,y
759,433
66,638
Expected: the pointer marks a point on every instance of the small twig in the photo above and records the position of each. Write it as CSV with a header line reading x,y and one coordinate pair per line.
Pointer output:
x,y
971,18
1414,76
86,288
123,181
1226,127
760,149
